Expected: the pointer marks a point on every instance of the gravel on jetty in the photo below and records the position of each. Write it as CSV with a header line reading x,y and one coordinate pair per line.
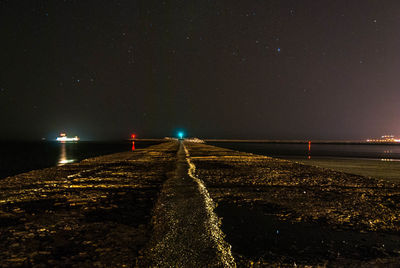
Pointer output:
x,y
278,212
95,213
186,229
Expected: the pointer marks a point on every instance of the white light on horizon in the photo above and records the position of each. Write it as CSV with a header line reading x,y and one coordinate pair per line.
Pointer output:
x,y
67,139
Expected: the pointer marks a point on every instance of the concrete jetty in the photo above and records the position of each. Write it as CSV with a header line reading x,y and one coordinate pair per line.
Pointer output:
x,y
188,205
186,229
277,212
96,213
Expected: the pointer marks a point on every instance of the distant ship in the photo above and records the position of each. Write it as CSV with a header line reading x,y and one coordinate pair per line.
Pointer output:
x,y
63,137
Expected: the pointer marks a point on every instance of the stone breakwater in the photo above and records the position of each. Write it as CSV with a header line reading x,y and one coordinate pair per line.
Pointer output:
x,y
95,213
278,212
186,229
196,206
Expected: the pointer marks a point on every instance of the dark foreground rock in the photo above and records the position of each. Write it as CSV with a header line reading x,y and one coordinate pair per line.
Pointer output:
x,y
91,214
277,212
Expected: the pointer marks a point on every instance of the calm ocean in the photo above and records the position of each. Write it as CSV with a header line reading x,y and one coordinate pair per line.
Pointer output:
x,y
298,151
19,157
369,160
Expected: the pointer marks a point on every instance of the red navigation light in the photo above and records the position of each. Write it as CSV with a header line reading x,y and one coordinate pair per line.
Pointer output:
x,y
133,136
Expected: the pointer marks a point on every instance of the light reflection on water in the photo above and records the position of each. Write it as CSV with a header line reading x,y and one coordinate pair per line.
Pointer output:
x,y
313,151
381,154
17,157
386,153
390,160
63,159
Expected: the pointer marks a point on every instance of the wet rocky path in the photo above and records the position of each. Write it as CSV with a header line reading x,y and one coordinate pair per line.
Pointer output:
x,y
186,229
281,213
96,213
142,208
190,205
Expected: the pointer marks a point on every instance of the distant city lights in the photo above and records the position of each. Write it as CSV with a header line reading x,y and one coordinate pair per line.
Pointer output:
x,y
385,138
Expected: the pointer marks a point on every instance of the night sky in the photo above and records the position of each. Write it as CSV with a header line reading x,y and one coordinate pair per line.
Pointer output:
x,y
296,69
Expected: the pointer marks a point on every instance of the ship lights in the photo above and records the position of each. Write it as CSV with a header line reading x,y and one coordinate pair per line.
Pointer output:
x,y
63,137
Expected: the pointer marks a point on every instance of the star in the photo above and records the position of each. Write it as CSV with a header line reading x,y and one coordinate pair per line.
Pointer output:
x,y
278,49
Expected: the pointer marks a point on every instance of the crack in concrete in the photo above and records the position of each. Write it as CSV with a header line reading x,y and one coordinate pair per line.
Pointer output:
x,y
186,229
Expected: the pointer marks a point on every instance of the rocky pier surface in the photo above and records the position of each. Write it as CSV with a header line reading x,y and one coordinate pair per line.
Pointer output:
x,y
282,213
193,205
96,213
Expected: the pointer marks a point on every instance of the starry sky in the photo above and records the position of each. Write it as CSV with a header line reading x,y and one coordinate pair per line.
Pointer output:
x,y
289,69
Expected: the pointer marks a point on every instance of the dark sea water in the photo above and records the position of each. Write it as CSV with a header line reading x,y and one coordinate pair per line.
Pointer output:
x,y
19,157
298,151
369,160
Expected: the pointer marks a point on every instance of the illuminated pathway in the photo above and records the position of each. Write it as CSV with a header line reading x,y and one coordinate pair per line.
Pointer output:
x,y
186,231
